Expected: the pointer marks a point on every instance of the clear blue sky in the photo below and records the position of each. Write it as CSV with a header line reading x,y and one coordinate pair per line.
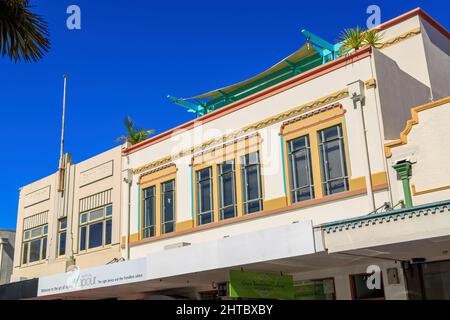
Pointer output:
x,y
129,55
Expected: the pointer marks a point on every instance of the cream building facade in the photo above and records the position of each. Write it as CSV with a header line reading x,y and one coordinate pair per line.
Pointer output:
x,y
276,181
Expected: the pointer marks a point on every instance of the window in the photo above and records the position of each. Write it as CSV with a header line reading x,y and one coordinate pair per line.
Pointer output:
x,y
34,244
301,181
205,196
149,212
332,158
251,180
227,190
62,235
95,228
360,289
168,206
322,289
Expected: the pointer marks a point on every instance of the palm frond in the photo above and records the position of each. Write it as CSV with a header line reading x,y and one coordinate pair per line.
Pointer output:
x,y
373,38
352,39
24,35
135,134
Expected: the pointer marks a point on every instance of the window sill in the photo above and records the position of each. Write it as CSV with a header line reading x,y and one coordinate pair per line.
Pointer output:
x,y
94,250
33,264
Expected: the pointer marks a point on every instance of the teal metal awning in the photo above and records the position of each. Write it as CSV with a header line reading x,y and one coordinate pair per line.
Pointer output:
x,y
314,53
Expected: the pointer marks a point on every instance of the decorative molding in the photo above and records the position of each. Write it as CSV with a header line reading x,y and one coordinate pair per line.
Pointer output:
x,y
405,36
243,131
156,170
96,173
418,193
371,83
37,196
410,123
97,200
35,220
389,216
311,114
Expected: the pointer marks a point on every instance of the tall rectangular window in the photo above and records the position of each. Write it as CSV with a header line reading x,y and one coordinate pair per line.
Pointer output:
x,y
204,196
149,212
95,228
251,180
302,187
332,158
62,236
168,206
227,190
34,246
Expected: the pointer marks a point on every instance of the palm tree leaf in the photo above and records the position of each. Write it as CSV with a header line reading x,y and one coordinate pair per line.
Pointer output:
x,y
24,35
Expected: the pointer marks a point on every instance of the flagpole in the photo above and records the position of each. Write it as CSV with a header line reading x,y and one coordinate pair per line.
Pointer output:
x,y
61,150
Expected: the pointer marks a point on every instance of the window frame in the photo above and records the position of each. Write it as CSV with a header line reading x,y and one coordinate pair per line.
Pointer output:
x,y
292,173
103,219
243,167
199,193
154,202
325,180
43,244
61,231
174,220
220,175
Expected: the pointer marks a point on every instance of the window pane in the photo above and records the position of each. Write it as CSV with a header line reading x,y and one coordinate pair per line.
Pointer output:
x,y
168,204
95,235
168,227
35,250
332,157
25,253
300,169
252,183
83,238
36,232
227,190
205,218
44,248
62,244
330,133
108,231
26,235
204,195
149,207
97,214
63,224
254,206
45,229
83,218
109,211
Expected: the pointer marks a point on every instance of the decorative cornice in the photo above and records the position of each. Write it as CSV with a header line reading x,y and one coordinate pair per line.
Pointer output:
x,y
226,144
405,36
394,215
410,123
310,114
243,131
156,170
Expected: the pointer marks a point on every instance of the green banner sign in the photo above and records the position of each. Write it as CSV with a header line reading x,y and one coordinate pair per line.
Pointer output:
x,y
246,284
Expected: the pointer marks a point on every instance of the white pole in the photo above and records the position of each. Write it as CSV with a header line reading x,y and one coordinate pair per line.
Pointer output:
x,y
61,153
61,150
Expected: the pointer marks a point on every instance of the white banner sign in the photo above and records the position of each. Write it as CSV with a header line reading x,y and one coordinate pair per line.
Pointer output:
x,y
98,277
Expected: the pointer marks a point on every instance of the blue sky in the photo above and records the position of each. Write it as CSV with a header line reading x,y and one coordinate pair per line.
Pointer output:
x,y
126,58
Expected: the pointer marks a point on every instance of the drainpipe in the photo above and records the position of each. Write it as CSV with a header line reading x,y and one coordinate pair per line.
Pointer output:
x,y
356,91
403,169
